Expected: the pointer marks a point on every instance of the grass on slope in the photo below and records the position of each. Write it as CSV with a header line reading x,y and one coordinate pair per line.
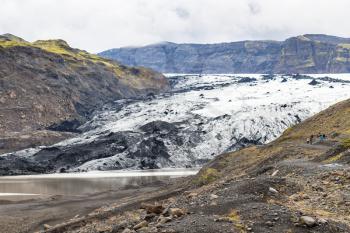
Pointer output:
x,y
12,43
334,122
58,47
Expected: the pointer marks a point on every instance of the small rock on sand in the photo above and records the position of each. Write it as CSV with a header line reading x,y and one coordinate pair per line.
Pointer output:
x,y
162,220
275,173
127,230
141,225
308,221
155,209
272,190
46,226
322,221
177,212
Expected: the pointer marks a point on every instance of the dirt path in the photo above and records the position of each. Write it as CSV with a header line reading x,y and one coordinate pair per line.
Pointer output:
x,y
316,146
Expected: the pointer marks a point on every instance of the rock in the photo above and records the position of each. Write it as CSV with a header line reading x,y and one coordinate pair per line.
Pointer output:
x,y
151,230
121,227
162,220
275,173
141,225
46,226
322,221
308,221
12,94
144,230
155,209
213,197
127,230
149,217
223,219
314,82
166,211
213,203
269,223
192,195
272,190
177,212
246,80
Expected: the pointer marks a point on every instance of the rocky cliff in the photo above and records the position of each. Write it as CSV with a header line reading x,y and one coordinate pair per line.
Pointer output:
x,y
47,86
302,54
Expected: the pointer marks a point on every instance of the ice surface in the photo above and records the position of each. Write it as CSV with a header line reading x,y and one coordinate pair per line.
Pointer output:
x,y
222,109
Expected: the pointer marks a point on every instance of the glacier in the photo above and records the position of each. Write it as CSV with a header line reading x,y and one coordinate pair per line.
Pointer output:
x,y
201,117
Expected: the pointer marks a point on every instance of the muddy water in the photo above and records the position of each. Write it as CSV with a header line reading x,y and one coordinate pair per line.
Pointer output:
x,y
84,183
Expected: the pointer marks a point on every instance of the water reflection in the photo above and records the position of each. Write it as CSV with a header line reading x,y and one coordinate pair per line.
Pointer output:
x,y
84,183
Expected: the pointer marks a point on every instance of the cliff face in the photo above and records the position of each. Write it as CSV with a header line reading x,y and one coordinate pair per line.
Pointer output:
x,y
45,83
301,54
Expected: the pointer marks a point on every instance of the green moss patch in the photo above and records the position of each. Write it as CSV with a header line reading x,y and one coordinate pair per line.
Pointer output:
x,y
346,143
207,176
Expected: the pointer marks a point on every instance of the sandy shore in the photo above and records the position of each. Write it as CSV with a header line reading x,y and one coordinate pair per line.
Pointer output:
x,y
29,213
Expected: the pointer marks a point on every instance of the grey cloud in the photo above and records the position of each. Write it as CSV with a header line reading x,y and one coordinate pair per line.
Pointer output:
x,y
254,7
96,25
182,13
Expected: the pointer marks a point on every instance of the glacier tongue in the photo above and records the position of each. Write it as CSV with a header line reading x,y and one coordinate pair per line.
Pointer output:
x,y
204,116
218,113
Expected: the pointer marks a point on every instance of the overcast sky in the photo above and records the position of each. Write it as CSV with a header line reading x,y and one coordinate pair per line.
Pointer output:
x,y
97,25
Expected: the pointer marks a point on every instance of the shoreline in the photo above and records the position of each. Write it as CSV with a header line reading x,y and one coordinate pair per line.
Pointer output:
x,y
29,215
172,172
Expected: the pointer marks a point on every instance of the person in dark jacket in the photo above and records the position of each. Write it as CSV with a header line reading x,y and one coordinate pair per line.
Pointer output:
x,y
311,139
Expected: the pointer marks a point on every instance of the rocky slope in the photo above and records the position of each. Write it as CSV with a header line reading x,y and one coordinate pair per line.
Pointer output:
x,y
47,89
301,54
202,117
284,186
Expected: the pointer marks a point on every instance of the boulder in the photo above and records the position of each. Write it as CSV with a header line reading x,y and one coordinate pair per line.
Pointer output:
x,y
176,212
308,221
155,209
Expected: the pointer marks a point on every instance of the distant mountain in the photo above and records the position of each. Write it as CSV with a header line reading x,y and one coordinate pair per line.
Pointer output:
x,y
310,53
47,86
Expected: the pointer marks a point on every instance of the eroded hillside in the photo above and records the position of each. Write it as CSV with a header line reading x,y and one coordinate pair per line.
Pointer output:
x,y
49,85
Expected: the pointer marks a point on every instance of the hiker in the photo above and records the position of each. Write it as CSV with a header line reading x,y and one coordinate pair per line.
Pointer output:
x,y
311,139
321,137
308,141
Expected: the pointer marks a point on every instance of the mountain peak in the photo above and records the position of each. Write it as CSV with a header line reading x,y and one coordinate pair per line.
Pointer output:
x,y
10,37
55,42
57,46
327,38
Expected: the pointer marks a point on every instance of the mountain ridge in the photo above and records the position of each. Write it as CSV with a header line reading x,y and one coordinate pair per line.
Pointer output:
x,y
47,84
309,53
